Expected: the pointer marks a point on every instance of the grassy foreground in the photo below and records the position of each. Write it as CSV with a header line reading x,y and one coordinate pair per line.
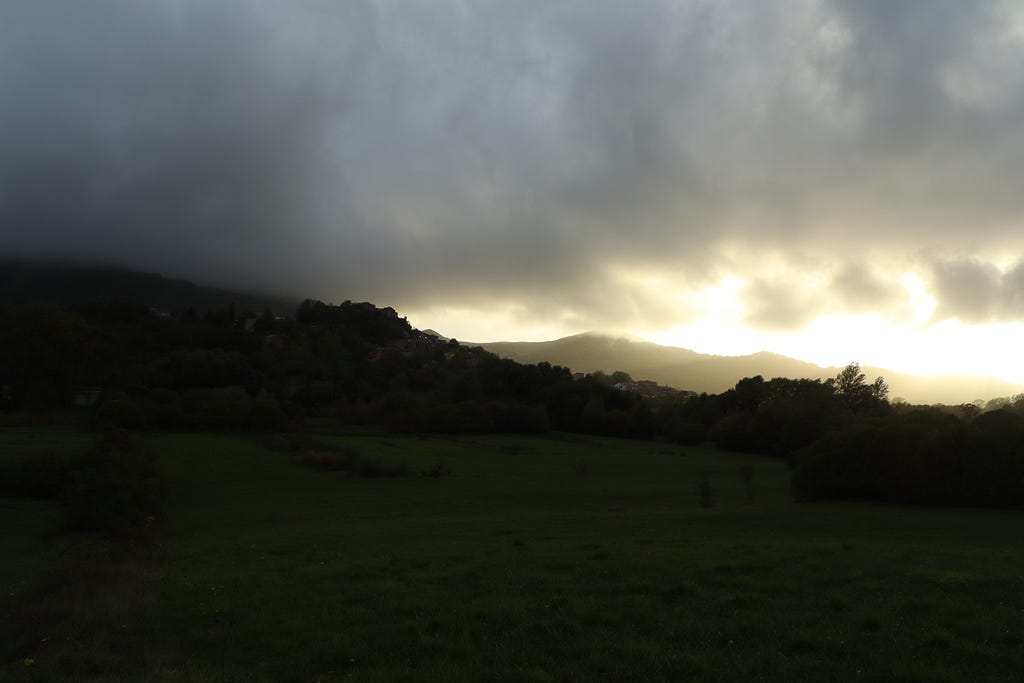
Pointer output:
x,y
535,559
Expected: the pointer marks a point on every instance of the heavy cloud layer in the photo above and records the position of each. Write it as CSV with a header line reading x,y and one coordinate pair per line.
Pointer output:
x,y
582,161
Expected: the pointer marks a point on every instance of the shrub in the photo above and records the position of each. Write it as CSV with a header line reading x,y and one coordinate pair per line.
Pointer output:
x,y
367,467
109,489
113,492
688,433
120,412
351,461
704,491
515,417
434,471
735,432
226,408
467,417
266,414
925,456
39,477
164,412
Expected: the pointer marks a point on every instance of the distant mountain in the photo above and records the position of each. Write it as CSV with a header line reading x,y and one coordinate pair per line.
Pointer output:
x,y
431,333
61,283
685,369
589,352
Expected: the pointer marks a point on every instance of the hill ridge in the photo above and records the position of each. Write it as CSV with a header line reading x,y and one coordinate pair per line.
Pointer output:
x,y
69,283
684,368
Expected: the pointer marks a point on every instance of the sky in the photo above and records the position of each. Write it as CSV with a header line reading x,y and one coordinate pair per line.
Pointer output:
x,y
835,180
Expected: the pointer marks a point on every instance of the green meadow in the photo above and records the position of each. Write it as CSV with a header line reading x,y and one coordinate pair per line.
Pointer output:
x,y
505,558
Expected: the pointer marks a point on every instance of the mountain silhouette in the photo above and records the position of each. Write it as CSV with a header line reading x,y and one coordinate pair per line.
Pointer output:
x,y
686,369
69,283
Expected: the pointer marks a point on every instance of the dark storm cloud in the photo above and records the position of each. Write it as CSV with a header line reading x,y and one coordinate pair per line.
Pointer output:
x,y
418,152
186,137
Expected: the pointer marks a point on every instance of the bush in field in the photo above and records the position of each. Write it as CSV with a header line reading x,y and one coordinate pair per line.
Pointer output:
x,y
114,492
688,433
110,489
400,412
735,432
778,416
266,414
704,495
924,456
368,467
435,471
40,348
519,418
39,477
120,412
163,410
467,417
351,461
224,408
996,454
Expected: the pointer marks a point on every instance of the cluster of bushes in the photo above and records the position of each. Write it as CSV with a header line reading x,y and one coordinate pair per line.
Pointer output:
x,y
349,460
848,442
223,408
410,412
777,416
359,322
353,362
926,456
40,349
356,363
111,488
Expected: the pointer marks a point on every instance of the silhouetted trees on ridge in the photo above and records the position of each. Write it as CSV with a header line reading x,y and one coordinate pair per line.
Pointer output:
x,y
353,363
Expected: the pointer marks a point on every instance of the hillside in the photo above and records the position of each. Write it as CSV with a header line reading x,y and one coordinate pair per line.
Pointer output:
x,y
67,284
589,352
685,369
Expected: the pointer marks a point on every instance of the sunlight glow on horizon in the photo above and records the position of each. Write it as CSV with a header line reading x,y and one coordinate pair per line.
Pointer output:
x,y
947,347
903,338
494,325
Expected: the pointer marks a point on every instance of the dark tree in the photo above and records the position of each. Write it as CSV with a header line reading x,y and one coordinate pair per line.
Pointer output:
x,y
862,398
41,347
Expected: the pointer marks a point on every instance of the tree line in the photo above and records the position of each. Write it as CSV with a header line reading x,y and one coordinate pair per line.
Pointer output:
x,y
352,363
130,366
845,440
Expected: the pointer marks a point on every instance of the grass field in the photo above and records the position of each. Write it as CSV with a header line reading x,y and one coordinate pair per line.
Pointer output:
x,y
535,559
